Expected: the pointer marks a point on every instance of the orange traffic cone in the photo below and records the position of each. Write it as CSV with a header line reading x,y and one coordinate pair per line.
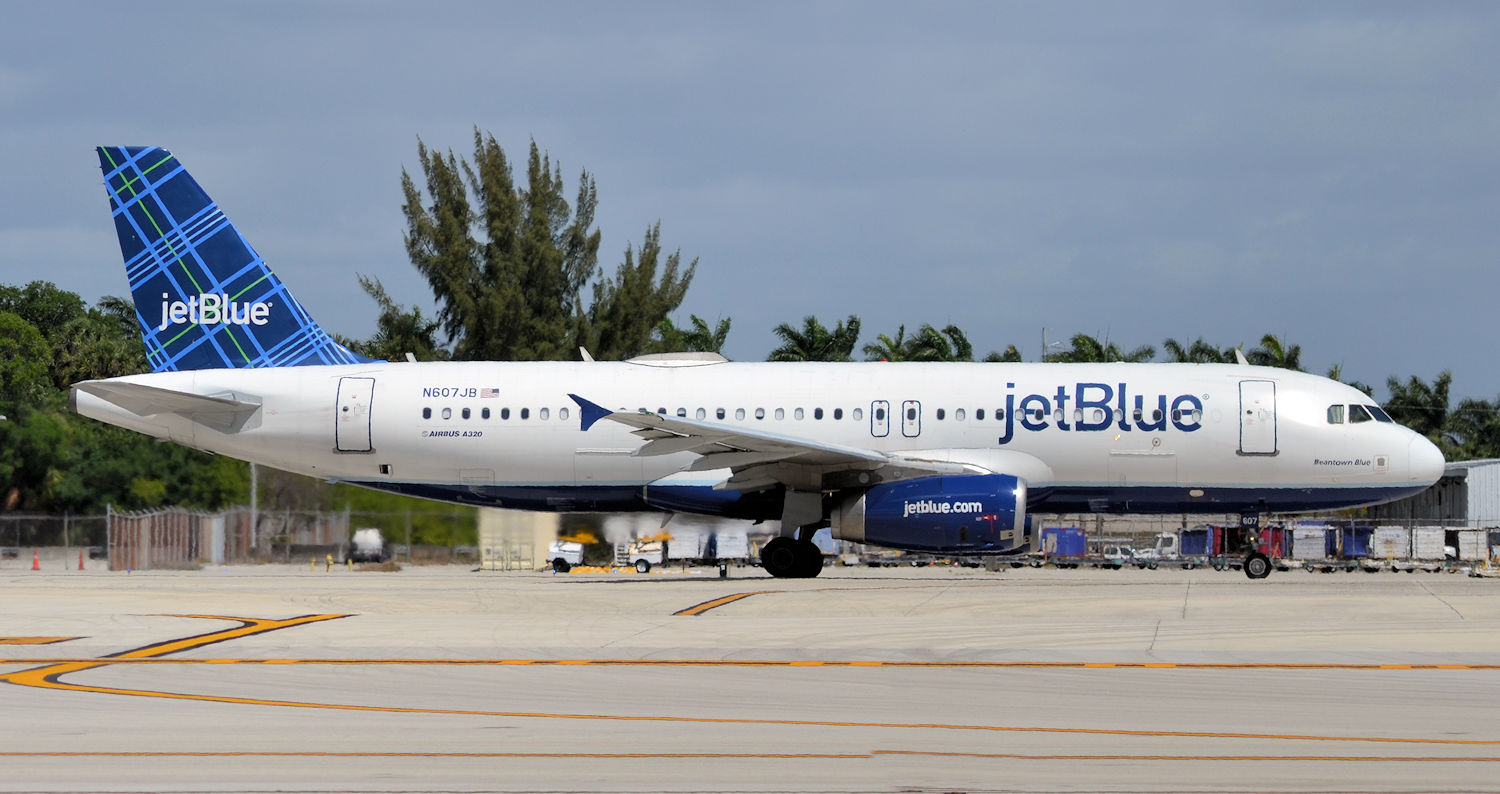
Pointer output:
x,y
36,559
80,559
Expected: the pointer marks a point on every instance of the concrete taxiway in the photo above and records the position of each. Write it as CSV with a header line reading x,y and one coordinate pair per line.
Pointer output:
x,y
277,678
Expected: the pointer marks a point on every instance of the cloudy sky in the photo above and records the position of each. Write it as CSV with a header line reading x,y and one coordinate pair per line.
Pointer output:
x,y
1323,171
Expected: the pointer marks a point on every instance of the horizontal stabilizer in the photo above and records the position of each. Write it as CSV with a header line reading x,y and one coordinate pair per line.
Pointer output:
x,y
224,413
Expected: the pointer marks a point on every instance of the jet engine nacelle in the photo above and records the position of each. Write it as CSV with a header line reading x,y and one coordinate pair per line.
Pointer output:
x,y
966,514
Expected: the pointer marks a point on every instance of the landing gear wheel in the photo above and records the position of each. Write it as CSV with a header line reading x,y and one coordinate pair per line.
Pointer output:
x,y
810,559
561,565
1257,565
779,558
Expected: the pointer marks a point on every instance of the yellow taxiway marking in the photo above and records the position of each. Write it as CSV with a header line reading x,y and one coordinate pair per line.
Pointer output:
x,y
33,640
49,675
698,609
438,662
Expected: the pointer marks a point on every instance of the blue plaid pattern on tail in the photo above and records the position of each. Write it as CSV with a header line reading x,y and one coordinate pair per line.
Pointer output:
x,y
203,297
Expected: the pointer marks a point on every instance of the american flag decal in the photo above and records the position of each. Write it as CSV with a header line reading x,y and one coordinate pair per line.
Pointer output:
x,y
483,393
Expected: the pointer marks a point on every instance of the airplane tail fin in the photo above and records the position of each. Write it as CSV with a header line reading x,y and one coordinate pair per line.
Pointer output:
x,y
203,297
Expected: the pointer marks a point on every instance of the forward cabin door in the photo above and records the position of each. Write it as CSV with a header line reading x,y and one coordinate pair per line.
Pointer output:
x,y
1257,417
351,430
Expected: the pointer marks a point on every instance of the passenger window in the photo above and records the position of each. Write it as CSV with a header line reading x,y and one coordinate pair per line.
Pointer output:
x,y
817,413
719,413
838,413
542,414
979,414
562,413
484,413
525,413
1136,415
911,414
504,413
760,413
681,413
1358,414
426,413
701,414
659,412
958,414
780,414
940,413
999,414
739,413
879,414
1099,415
447,413
858,415
1335,414
466,413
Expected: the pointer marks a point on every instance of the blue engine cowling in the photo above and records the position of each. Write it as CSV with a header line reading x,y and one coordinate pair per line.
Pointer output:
x,y
964,514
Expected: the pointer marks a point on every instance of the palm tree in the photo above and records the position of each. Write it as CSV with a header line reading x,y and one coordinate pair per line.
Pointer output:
x,y
1199,352
1474,426
1088,349
1273,352
1423,407
1336,372
814,342
884,348
929,344
699,338
1011,354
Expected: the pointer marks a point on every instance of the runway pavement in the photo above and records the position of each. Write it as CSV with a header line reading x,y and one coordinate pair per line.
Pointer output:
x,y
277,678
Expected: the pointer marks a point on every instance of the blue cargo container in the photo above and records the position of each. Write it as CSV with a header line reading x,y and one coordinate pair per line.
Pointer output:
x,y
1195,541
1064,542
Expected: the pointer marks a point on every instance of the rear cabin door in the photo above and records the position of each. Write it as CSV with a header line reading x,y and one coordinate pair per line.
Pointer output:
x,y
1257,417
351,430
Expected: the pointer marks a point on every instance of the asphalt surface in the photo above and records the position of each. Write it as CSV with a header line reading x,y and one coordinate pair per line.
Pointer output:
x,y
277,678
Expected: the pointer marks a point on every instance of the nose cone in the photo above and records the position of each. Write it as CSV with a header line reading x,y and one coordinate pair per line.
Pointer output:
x,y
1425,460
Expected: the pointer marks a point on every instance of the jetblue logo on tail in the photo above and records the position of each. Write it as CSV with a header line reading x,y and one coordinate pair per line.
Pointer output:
x,y
212,310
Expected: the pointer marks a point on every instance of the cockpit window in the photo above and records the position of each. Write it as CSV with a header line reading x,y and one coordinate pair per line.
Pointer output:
x,y
1335,414
1380,415
1358,414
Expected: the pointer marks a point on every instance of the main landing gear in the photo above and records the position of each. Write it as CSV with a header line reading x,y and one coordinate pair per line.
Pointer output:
x,y
791,558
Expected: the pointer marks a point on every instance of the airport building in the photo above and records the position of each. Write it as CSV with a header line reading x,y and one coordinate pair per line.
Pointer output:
x,y
1468,495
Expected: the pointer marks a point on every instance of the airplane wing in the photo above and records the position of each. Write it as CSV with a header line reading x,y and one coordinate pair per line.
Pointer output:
x,y
224,413
759,459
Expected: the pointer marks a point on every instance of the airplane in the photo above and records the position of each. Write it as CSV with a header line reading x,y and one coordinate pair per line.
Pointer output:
x,y
949,458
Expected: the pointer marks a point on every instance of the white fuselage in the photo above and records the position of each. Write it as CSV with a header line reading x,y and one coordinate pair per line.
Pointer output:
x,y
1106,437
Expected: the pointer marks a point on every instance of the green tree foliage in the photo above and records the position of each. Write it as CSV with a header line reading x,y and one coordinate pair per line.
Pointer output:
x,y
1199,352
1275,352
1423,407
927,344
23,362
814,342
507,261
697,338
628,308
1086,349
1011,354
398,331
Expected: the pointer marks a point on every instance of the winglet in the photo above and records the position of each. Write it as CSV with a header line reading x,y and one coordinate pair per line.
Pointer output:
x,y
589,413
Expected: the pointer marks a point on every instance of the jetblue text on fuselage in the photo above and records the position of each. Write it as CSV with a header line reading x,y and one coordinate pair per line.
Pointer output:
x,y
1099,406
212,309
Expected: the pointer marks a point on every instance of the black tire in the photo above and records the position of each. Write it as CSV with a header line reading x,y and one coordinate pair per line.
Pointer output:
x,y
642,566
779,558
561,565
810,559
1257,566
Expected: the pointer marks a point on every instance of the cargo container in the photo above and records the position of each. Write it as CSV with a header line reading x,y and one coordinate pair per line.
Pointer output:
x,y
1427,543
1390,543
1063,542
